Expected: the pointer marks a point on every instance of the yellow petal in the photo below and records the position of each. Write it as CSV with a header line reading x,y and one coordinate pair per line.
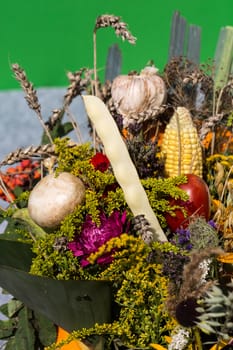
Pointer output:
x,y
218,346
226,258
157,347
168,339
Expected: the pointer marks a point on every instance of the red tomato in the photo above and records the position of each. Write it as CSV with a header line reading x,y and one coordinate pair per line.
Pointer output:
x,y
197,205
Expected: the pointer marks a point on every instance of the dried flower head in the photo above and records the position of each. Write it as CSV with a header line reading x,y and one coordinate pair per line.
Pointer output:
x,y
189,86
142,226
202,234
143,154
186,313
180,339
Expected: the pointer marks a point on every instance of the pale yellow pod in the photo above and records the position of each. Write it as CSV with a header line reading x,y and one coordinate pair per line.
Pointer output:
x,y
181,147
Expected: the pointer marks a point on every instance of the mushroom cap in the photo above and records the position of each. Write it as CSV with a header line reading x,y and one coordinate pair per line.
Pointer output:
x,y
54,197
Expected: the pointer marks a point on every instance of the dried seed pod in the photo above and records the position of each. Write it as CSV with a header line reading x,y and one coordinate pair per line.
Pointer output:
x,y
181,146
135,96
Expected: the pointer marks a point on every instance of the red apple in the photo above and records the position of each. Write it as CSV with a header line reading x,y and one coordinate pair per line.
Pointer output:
x,y
197,205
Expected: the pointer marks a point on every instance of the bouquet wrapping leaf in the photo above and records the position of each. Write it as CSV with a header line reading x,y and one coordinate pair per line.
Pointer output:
x,y
70,304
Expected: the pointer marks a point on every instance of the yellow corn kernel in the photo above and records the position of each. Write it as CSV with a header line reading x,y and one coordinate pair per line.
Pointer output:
x,y
181,147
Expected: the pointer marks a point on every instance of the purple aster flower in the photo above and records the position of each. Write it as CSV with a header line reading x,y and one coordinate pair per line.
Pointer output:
x,y
212,224
92,236
182,238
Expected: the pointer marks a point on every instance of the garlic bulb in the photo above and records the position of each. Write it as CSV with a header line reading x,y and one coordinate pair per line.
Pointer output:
x,y
138,97
54,197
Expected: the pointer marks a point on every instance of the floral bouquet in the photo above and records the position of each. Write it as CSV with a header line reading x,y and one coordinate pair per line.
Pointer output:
x,y
124,242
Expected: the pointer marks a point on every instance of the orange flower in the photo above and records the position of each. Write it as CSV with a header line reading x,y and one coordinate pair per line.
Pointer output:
x,y
223,140
226,258
73,345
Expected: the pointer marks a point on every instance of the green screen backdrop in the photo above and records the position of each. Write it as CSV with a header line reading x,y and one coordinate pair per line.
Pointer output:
x,y
48,38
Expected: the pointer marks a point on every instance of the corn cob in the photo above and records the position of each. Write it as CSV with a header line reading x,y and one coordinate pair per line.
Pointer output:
x,y
181,148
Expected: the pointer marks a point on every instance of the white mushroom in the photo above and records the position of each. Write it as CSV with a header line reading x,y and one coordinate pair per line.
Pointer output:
x,y
54,197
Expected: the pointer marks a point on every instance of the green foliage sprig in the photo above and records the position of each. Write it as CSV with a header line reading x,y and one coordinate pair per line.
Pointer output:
x,y
160,190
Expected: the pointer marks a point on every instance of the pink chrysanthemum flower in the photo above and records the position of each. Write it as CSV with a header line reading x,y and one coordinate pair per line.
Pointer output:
x,y
93,236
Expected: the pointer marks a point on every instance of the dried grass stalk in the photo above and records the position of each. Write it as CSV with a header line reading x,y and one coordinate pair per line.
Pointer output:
x,y
79,81
209,125
30,92
31,95
120,28
219,110
192,286
192,273
41,151
5,191
57,115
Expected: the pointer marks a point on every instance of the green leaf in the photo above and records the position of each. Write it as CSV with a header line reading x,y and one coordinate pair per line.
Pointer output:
x,y
14,306
69,304
15,254
223,56
46,329
17,191
59,130
23,216
2,217
6,328
4,309
20,220
11,344
24,336
66,128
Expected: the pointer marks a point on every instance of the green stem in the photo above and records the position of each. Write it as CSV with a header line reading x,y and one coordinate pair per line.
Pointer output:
x,y
35,231
197,338
100,344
